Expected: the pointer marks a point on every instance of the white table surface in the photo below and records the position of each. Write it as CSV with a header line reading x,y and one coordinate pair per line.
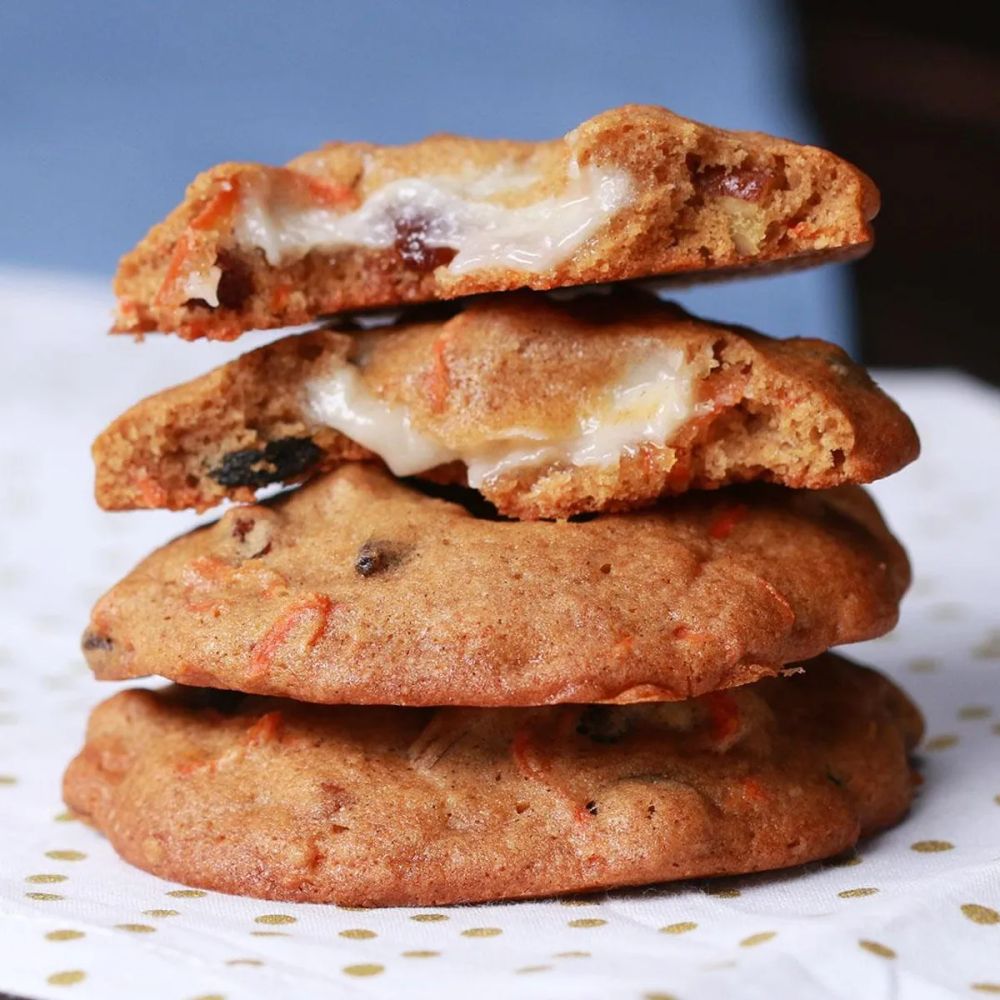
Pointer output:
x,y
900,921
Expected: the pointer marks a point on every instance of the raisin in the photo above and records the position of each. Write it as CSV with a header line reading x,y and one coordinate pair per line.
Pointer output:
x,y
376,557
603,724
94,640
745,183
411,233
277,461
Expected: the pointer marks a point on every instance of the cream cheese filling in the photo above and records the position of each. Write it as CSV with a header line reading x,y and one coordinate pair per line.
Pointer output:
x,y
452,212
646,406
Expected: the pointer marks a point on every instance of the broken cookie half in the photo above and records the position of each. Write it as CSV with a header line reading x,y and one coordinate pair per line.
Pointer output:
x,y
549,409
635,192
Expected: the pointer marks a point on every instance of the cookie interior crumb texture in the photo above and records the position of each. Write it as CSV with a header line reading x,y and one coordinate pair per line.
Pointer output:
x,y
550,409
634,192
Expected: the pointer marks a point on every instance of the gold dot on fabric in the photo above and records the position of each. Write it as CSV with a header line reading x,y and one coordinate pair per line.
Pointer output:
x,y
429,918
65,817
572,954
679,928
658,996
45,878
358,934
269,934
65,855
848,861
274,918
532,968
943,742
482,932
244,961
420,953
64,935
161,913
975,712
187,893
989,648
68,978
755,939
365,969
723,893
923,665
135,928
866,890
980,914
587,922
45,897
985,987
209,996
877,949
7,779
578,901
931,846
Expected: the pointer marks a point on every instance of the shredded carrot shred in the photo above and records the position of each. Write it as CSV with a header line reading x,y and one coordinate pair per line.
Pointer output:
x,y
526,755
316,608
188,767
175,269
438,377
755,790
280,296
218,206
265,730
723,523
328,194
724,716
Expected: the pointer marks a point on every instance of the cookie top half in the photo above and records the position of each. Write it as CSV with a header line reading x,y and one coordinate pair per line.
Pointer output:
x,y
634,192
359,588
548,408
395,806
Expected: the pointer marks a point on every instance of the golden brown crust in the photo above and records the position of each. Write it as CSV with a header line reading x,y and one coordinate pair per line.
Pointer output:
x,y
392,806
356,588
797,412
705,200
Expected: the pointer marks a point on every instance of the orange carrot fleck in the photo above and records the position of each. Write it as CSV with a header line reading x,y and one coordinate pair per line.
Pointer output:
x,y
280,296
151,492
526,755
316,607
218,206
265,730
438,377
723,523
187,768
755,790
330,195
175,268
724,716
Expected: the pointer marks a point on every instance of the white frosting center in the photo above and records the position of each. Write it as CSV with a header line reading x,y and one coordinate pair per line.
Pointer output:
x,y
450,212
651,401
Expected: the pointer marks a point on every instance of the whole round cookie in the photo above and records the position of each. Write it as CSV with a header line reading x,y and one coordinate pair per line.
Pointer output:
x,y
360,589
376,806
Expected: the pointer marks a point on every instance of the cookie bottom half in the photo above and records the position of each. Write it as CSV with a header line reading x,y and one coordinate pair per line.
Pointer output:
x,y
382,806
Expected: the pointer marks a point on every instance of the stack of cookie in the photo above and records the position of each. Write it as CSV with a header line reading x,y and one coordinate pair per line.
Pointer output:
x,y
549,606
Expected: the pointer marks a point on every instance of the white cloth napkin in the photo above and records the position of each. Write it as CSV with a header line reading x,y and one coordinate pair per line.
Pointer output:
x,y
914,915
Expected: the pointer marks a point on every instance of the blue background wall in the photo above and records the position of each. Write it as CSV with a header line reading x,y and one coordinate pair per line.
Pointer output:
x,y
108,109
